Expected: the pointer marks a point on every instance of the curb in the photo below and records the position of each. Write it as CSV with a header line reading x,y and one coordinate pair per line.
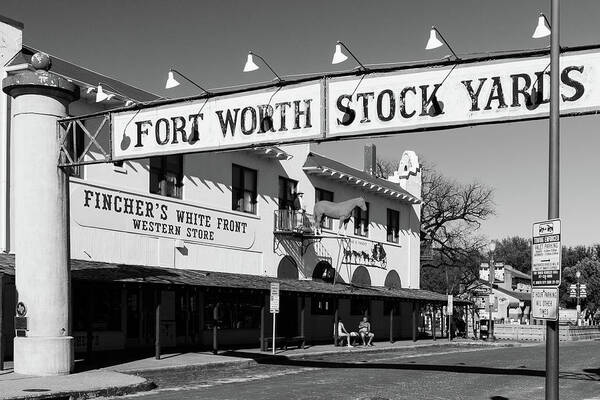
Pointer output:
x,y
267,357
88,394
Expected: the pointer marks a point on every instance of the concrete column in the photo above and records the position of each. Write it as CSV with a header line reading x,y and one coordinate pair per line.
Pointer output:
x,y
41,215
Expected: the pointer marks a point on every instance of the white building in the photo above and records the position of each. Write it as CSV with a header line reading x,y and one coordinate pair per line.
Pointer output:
x,y
203,236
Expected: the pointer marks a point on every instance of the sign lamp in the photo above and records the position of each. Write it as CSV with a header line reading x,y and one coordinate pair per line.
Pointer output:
x,y
251,65
340,57
434,42
172,82
541,30
101,95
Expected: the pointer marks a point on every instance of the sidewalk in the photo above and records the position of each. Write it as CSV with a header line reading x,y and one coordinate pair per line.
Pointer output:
x,y
123,378
82,385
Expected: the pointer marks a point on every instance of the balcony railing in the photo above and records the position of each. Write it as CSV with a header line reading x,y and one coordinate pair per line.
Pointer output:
x,y
293,221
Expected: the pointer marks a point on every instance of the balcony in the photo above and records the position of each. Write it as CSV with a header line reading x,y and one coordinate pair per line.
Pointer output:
x,y
293,221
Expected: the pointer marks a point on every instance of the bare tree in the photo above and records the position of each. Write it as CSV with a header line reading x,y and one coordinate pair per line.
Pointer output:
x,y
451,214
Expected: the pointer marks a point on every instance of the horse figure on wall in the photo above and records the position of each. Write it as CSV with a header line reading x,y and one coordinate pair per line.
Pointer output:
x,y
341,211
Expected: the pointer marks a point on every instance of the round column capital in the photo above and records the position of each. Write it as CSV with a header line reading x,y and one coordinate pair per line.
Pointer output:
x,y
40,81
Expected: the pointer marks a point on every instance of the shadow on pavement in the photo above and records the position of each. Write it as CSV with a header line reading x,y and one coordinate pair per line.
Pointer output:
x,y
585,375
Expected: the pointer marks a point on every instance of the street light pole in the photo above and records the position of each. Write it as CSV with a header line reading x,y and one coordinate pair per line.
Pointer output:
x,y
553,189
491,278
578,275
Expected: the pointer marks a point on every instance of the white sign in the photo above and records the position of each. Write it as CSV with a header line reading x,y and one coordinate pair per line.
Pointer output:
x,y
450,304
546,253
410,100
544,303
253,118
274,301
98,207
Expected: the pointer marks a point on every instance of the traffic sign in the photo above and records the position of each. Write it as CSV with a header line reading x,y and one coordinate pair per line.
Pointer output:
x,y
544,303
546,254
274,303
450,304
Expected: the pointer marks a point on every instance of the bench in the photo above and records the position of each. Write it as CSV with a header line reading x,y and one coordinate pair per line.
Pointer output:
x,y
282,342
296,341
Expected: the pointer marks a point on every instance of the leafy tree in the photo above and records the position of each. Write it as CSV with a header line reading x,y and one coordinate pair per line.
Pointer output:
x,y
451,214
590,275
514,251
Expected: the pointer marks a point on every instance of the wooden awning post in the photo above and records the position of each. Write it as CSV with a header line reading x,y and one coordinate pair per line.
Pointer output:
x,y
392,324
336,321
433,320
157,325
414,321
215,328
1,319
302,319
262,326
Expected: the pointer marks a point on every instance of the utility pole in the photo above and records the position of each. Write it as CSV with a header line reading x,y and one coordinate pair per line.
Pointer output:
x,y
553,189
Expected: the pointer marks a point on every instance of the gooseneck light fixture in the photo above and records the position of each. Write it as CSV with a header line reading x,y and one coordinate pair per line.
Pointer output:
x,y
101,95
340,57
251,65
434,42
172,82
543,27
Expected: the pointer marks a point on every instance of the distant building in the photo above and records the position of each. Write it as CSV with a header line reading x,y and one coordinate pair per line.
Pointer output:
x,y
511,294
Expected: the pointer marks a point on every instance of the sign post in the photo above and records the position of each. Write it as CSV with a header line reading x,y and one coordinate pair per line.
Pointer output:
x,y
274,304
450,312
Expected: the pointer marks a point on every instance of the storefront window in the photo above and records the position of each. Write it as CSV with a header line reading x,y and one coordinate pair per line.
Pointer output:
x,y
243,189
360,306
322,305
235,311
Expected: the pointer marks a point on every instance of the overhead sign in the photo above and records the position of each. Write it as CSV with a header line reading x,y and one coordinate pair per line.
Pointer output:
x,y
469,94
544,303
118,210
274,300
546,254
260,117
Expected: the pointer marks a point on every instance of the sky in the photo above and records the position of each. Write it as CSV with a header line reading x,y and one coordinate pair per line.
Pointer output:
x,y
137,41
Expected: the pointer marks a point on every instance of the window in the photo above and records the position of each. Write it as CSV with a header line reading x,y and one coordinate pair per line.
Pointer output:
x,y
166,176
243,189
359,306
326,195
393,226
287,188
322,305
389,305
361,221
234,311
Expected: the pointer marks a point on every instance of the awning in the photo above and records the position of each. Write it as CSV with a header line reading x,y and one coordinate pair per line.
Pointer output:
x,y
322,166
93,271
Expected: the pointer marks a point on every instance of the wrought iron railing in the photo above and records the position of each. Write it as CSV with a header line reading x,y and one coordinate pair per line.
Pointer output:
x,y
293,221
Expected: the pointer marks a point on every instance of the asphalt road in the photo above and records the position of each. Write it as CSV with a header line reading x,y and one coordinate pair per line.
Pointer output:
x,y
426,373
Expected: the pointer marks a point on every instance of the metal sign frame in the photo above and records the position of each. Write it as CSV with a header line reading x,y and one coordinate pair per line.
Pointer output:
x,y
98,148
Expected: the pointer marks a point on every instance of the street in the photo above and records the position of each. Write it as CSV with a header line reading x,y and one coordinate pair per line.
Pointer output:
x,y
449,372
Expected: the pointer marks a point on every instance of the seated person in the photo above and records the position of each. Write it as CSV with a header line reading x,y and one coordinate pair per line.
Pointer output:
x,y
364,330
343,333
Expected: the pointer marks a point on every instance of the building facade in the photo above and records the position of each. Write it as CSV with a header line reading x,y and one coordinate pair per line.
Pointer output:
x,y
180,250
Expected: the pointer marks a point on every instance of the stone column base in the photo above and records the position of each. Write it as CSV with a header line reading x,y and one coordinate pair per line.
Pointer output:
x,y
43,356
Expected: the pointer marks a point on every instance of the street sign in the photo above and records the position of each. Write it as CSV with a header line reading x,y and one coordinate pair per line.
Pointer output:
x,y
544,303
546,254
274,297
450,304
493,303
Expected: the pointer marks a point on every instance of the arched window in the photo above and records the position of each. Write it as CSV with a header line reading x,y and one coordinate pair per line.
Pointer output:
x,y
287,268
392,280
324,272
361,276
